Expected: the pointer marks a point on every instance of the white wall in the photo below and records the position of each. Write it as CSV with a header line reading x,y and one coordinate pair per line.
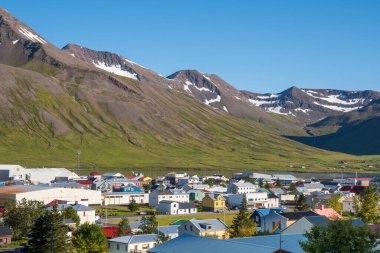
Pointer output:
x,y
125,198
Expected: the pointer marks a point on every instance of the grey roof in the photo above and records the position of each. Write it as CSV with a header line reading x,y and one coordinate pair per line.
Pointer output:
x,y
298,215
135,224
186,205
164,192
215,223
76,207
317,220
172,229
4,231
199,244
130,239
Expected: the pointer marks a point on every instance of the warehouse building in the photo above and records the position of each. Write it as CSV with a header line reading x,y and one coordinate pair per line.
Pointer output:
x,y
48,194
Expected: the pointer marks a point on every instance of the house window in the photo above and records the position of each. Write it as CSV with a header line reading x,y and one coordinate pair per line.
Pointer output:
x,y
145,246
191,228
109,245
117,247
185,227
126,248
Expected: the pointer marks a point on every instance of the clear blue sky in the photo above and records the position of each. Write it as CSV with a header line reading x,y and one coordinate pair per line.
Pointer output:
x,y
262,46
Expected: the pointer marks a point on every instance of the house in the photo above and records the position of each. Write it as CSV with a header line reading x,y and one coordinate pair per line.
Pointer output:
x,y
269,219
189,187
85,213
5,235
171,231
330,213
255,200
132,243
241,187
348,204
284,179
188,180
124,198
362,181
260,244
295,216
196,195
158,195
213,203
273,201
173,177
311,187
305,224
210,228
173,207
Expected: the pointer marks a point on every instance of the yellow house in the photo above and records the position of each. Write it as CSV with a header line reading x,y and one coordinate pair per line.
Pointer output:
x,y
213,203
210,228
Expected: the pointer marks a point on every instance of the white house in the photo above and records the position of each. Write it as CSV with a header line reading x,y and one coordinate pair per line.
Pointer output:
x,y
158,195
188,180
47,175
124,198
273,201
173,207
11,172
256,200
348,204
132,244
85,213
241,188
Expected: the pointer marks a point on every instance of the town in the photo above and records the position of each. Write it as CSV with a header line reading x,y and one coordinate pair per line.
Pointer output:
x,y
177,212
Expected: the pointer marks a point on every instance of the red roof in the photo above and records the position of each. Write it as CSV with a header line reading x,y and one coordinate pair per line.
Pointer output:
x,y
55,202
84,182
110,231
95,173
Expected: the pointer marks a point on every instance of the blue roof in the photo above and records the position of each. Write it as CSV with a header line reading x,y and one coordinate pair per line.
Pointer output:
x,y
290,242
265,211
190,244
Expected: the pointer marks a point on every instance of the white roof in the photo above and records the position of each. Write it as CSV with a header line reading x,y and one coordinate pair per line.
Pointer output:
x,y
59,172
10,166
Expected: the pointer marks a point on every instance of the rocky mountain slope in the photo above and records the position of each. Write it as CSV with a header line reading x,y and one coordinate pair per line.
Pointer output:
x,y
120,114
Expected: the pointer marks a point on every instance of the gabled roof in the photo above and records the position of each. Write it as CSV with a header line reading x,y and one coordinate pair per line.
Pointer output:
x,y
317,220
298,215
172,229
266,211
130,239
76,207
186,205
216,224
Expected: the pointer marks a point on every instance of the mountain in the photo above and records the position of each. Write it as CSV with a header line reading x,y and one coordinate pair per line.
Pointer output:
x,y
311,105
119,114
355,132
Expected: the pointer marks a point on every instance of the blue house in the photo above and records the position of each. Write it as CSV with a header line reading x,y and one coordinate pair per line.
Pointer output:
x,y
269,219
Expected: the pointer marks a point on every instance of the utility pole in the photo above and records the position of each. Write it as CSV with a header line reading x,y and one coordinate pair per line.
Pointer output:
x,y
78,161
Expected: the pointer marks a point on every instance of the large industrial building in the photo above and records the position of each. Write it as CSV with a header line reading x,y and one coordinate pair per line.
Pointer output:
x,y
48,194
35,175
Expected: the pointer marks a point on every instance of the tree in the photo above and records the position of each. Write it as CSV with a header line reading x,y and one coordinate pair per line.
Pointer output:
x,y
278,182
334,203
148,224
292,188
366,205
162,238
123,227
210,181
49,233
267,185
301,203
242,224
69,213
20,216
261,183
338,237
89,238
133,207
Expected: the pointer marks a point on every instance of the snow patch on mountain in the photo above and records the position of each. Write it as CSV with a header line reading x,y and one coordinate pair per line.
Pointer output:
x,y
225,108
306,111
115,69
269,96
134,63
338,108
31,36
260,102
14,42
213,100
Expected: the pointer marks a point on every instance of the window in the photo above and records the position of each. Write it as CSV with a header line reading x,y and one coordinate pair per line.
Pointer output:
x,y
126,248
145,246
191,228
117,247
109,245
185,227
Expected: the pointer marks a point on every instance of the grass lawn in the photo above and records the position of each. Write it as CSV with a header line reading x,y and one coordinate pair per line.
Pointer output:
x,y
166,220
163,221
120,210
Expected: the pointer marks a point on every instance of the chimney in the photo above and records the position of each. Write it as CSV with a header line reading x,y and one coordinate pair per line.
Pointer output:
x,y
322,207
